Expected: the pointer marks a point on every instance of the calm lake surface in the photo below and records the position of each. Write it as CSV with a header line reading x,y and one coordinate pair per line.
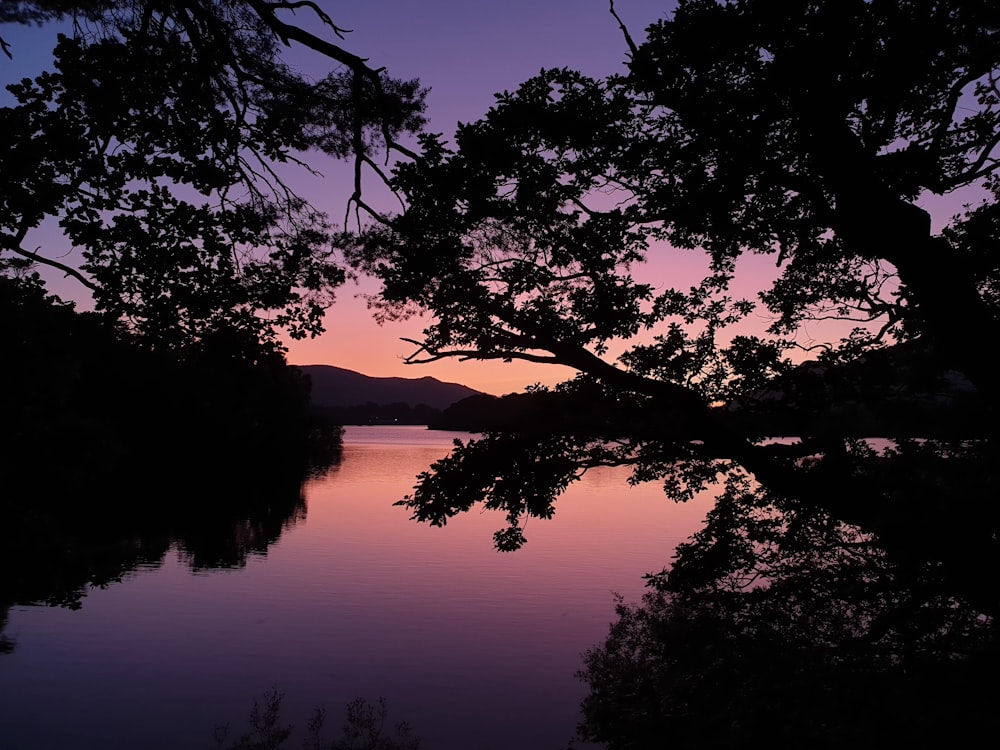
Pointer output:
x,y
472,647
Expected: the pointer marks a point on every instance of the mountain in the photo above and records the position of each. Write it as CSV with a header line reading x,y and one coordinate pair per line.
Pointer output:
x,y
338,388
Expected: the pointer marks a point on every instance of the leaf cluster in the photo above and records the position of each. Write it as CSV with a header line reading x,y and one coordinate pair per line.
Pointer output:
x,y
560,228
782,620
161,143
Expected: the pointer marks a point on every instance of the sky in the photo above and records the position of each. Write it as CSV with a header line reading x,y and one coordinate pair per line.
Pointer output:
x,y
465,52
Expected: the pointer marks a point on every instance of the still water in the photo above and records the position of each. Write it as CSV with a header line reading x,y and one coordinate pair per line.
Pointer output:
x,y
473,648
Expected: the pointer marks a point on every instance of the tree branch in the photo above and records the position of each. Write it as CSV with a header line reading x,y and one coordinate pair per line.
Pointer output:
x,y
633,50
977,170
464,355
35,257
320,13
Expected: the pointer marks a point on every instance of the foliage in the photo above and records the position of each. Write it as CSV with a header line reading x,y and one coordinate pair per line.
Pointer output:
x,y
364,728
810,132
161,142
510,241
525,240
267,731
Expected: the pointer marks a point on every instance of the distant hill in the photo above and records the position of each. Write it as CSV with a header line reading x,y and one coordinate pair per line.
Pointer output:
x,y
338,388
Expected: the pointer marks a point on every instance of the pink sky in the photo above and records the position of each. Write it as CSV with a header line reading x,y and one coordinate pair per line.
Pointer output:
x,y
465,52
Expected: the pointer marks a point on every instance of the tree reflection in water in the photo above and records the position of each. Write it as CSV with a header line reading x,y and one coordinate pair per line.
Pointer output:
x,y
859,620
55,548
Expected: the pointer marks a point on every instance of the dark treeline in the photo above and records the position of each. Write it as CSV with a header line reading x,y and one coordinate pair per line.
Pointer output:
x,y
111,453
371,413
900,391
79,393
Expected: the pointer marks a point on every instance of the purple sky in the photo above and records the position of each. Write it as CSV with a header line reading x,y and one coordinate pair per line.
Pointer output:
x,y
464,52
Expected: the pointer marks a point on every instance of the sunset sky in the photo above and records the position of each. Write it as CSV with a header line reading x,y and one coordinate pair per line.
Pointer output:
x,y
465,51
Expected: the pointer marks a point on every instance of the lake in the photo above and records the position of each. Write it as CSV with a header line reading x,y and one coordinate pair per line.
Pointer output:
x,y
471,647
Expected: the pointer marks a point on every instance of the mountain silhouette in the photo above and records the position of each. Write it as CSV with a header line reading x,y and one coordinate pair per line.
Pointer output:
x,y
336,387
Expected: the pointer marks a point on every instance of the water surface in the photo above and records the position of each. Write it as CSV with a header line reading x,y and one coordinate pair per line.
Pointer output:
x,y
472,647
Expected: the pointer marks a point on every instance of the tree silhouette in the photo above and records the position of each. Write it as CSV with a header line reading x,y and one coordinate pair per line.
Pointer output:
x,y
514,246
161,142
809,132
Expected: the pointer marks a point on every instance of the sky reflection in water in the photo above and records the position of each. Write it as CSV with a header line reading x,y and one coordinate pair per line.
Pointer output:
x,y
472,647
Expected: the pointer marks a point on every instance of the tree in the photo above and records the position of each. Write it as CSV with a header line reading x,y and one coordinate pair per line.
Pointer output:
x,y
364,729
713,144
806,131
160,143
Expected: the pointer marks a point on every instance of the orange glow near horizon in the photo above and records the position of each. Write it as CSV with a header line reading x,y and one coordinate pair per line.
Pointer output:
x,y
355,341
426,44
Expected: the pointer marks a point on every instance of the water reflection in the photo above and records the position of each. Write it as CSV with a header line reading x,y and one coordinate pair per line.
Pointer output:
x,y
57,546
860,614
355,601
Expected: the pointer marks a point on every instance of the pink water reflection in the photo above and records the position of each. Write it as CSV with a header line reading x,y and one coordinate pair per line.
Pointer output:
x,y
473,647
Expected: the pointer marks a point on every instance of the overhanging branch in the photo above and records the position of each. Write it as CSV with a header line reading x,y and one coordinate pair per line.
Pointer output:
x,y
633,50
426,354
36,258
